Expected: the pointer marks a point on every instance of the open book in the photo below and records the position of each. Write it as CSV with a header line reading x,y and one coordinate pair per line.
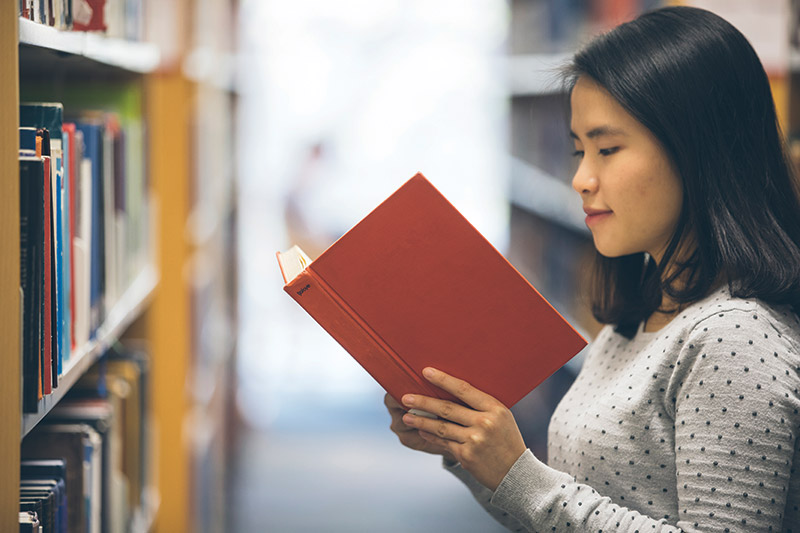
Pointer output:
x,y
414,284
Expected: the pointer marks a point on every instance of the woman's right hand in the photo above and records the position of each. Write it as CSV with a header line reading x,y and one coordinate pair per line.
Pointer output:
x,y
409,436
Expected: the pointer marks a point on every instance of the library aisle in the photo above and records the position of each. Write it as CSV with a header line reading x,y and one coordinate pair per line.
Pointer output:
x,y
338,469
342,105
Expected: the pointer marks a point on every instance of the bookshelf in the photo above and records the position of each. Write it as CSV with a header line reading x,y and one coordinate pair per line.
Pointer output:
x,y
35,53
187,87
190,107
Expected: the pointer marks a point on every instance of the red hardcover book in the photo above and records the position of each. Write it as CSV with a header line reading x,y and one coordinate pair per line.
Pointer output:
x,y
414,284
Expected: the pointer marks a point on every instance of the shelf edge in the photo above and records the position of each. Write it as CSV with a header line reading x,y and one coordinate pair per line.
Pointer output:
x,y
132,56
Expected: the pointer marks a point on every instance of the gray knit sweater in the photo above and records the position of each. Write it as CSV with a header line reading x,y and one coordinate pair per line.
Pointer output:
x,y
693,428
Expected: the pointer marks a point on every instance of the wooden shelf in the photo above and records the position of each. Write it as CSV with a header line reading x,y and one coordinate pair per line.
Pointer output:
x,y
536,191
535,74
127,55
127,309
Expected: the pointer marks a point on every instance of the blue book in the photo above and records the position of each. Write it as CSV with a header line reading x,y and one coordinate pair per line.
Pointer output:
x,y
27,142
93,150
67,252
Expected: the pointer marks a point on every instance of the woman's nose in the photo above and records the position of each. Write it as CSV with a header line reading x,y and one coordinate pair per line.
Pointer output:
x,y
585,179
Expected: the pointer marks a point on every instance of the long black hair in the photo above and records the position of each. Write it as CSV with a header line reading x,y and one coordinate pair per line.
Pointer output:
x,y
695,82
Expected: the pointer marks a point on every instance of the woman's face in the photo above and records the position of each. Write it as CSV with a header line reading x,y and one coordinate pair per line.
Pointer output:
x,y
631,193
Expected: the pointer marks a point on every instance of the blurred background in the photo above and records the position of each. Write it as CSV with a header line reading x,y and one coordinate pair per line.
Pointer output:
x,y
270,123
338,104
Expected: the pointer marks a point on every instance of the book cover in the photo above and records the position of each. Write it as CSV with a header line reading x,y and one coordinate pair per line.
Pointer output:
x,y
31,210
414,284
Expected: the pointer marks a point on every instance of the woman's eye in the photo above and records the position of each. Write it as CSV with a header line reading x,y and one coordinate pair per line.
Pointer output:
x,y
609,151
577,153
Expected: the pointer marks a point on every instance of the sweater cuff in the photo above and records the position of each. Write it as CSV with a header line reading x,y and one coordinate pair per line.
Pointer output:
x,y
526,484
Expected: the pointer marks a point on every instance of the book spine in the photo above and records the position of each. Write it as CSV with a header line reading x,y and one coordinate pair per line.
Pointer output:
x,y
31,243
58,263
354,335
47,321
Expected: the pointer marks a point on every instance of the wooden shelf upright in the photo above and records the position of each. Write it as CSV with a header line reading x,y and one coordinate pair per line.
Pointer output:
x,y
10,389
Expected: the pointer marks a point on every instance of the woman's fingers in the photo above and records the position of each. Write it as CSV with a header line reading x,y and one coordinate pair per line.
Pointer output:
x,y
441,408
445,430
390,402
459,388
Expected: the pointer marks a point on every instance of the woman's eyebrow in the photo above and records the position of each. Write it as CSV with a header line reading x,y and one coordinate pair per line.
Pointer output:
x,y
599,131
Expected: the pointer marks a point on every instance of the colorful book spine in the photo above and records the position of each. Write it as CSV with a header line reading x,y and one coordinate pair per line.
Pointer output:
x,y
31,275
93,151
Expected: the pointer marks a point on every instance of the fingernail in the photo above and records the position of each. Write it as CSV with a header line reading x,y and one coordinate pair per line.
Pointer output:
x,y
408,419
428,372
408,399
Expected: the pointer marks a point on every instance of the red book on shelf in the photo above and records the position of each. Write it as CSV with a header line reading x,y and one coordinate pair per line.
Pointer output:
x,y
414,284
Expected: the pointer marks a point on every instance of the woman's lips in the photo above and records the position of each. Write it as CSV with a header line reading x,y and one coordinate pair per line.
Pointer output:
x,y
593,216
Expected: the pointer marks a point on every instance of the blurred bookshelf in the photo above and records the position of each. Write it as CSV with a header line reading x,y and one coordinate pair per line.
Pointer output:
x,y
172,87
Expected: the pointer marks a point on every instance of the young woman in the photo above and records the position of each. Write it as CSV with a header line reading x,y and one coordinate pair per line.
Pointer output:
x,y
685,414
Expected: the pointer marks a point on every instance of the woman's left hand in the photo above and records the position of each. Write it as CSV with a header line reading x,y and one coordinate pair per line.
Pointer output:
x,y
483,437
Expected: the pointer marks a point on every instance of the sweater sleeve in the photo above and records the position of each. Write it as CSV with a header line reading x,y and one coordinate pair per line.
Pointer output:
x,y
483,496
733,396
544,499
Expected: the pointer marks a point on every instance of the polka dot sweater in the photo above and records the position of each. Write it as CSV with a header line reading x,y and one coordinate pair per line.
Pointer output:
x,y
690,428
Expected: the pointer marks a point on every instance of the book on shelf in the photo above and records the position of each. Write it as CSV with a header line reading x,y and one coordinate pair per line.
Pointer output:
x,y
88,240
414,284
29,522
47,488
70,171
32,257
49,117
48,311
78,446
92,132
42,493
100,433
